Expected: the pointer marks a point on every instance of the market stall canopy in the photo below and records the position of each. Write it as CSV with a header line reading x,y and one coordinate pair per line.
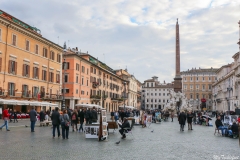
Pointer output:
x,y
129,107
88,106
31,103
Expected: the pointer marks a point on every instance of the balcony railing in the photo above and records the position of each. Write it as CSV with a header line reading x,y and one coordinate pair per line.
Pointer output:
x,y
95,97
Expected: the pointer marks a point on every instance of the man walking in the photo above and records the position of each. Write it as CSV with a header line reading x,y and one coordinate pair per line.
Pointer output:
x,y
95,115
56,122
189,120
5,118
182,119
33,118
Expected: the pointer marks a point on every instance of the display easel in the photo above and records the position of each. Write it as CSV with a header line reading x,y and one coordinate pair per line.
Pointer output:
x,y
103,133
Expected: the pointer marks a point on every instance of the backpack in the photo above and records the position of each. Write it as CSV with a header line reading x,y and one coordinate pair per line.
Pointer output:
x,y
74,117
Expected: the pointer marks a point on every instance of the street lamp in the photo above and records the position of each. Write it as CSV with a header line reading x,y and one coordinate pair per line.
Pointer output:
x,y
124,96
229,89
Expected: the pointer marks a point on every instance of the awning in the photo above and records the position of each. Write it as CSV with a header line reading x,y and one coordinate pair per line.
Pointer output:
x,y
88,105
31,103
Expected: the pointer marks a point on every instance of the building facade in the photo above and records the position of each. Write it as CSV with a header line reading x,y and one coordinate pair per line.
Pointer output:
x,y
89,81
155,94
30,65
197,86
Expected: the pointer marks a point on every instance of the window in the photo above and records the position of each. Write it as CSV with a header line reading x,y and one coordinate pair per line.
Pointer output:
x,y
159,100
210,96
147,100
203,87
25,90
12,67
209,78
151,94
66,90
155,94
44,75
191,79
83,69
87,71
76,79
95,70
66,78
35,72
197,78
83,80
203,78
52,55
100,73
35,92
163,94
185,79
58,78
82,92
27,45
155,100
203,96
191,86
51,76
0,64
197,96
159,94
91,70
77,66
58,58
26,70
11,89
164,101
87,82
14,40
45,52
36,49
209,87
197,86
76,91
191,96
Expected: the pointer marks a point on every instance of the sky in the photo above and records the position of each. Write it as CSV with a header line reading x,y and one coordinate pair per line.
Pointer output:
x,y
138,34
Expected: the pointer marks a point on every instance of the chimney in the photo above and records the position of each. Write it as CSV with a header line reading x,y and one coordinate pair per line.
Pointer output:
x,y
76,48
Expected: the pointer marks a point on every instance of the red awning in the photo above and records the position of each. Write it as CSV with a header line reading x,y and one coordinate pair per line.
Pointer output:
x,y
203,100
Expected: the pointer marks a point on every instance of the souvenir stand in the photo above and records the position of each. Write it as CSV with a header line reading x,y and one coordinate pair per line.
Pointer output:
x,y
91,130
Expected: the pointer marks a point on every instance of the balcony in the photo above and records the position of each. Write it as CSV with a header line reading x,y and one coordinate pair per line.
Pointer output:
x,y
95,84
95,98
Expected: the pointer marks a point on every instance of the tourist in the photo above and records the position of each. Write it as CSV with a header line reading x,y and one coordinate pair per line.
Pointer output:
x,y
94,115
10,117
182,119
172,115
88,116
5,118
42,116
65,124
189,120
234,129
33,119
122,114
74,120
81,118
56,122
116,115
112,115
124,127
219,125
15,116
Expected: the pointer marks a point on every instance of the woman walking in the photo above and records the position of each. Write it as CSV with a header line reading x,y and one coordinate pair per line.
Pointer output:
x,y
15,116
81,118
65,124
74,120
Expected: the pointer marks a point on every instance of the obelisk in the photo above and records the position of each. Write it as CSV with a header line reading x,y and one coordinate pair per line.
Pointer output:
x,y
178,78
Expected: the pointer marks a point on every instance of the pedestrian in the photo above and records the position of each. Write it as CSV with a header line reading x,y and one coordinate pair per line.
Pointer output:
x,y
10,115
65,121
94,115
182,119
42,116
88,116
81,119
189,120
74,119
122,114
5,118
55,117
33,119
112,115
172,115
116,115
15,116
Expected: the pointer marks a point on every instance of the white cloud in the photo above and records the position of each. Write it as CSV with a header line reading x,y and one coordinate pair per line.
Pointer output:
x,y
139,34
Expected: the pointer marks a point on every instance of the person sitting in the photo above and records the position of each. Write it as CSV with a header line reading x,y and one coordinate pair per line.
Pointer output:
x,y
125,126
234,129
219,125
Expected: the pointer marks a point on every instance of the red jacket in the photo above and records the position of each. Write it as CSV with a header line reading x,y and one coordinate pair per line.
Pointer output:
x,y
5,113
238,119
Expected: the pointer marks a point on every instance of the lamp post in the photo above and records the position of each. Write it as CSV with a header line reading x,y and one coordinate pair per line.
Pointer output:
x,y
229,89
124,96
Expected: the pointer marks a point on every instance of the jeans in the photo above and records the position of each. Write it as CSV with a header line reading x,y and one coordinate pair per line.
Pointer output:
x,y
222,128
230,133
32,125
5,124
65,131
58,131
81,126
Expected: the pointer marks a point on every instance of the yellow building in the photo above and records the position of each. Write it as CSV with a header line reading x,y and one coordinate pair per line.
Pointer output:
x,y
30,66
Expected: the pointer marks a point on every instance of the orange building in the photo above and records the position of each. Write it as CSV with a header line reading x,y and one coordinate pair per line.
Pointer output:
x,y
89,81
30,66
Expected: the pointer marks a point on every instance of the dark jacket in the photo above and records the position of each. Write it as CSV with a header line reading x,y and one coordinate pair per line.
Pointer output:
x,y
218,123
15,115
112,113
42,116
81,116
55,118
94,116
126,124
234,128
88,114
182,118
190,117
33,115
76,117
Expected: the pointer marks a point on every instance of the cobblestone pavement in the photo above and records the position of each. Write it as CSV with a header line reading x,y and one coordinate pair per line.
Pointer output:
x,y
165,142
